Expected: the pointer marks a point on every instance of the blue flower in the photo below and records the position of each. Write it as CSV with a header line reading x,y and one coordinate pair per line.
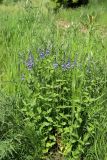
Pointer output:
x,y
68,64
42,55
22,77
55,65
30,61
47,51
74,64
64,66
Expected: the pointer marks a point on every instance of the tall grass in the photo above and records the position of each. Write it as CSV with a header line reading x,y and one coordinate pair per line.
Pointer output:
x,y
53,84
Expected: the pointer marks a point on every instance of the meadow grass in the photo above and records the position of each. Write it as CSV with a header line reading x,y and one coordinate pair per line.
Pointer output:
x,y
53,82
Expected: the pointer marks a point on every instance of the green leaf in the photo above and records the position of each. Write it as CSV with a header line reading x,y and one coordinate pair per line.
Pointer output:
x,y
49,144
49,110
52,137
62,107
50,128
39,110
66,130
45,150
63,115
49,119
67,149
63,123
75,1
6,147
44,124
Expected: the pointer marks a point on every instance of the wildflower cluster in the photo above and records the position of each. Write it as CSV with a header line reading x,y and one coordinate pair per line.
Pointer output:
x,y
44,54
66,65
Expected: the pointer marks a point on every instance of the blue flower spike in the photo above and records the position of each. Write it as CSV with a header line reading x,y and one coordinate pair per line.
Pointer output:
x,y
64,66
68,64
42,55
55,64
30,61
47,52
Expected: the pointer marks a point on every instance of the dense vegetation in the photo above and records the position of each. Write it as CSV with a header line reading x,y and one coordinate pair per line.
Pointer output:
x,y
72,3
53,82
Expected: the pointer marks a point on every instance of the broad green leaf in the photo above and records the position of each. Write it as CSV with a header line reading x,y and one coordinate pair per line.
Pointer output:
x,y
49,119
52,137
39,110
49,144
67,149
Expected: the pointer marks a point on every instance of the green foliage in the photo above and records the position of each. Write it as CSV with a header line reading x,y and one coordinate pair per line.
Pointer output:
x,y
6,2
1,1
